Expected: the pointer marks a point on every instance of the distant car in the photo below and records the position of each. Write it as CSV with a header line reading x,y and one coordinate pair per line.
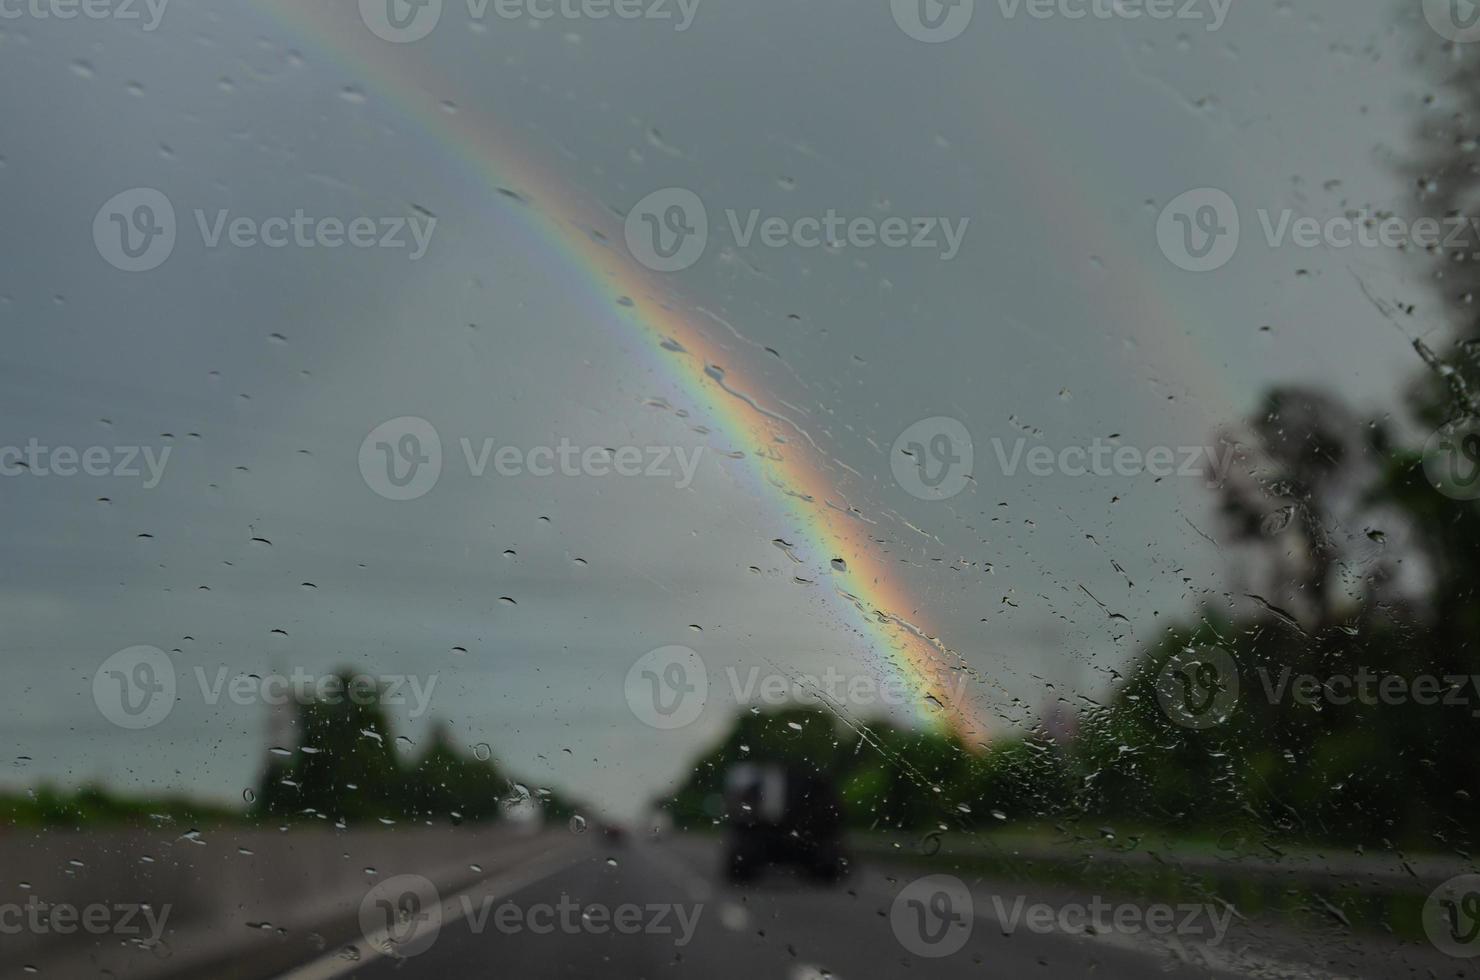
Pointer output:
x,y
614,834
783,814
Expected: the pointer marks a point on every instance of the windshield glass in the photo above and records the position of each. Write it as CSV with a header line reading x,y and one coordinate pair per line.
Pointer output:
x,y
667,488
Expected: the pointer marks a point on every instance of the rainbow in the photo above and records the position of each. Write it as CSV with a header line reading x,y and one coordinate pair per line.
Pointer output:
x,y
829,535
826,535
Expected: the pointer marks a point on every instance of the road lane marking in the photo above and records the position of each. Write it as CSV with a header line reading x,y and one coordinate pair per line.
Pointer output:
x,y
552,860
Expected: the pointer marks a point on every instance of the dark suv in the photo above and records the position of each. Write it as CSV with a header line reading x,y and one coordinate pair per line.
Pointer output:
x,y
783,814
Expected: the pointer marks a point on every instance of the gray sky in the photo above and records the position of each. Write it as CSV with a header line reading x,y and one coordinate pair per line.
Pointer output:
x,y
1059,321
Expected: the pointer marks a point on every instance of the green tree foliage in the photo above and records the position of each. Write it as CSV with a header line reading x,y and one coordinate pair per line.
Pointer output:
x,y
1352,567
346,769
46,806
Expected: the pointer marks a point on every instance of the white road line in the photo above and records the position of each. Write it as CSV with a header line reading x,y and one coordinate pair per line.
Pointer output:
x,y
553,859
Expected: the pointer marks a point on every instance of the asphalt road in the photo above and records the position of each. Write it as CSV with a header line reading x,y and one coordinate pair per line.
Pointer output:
x,y
661,909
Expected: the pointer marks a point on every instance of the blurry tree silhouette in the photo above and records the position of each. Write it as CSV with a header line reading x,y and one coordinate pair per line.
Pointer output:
x,y
345,769
446,785
1446,178
1294,497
